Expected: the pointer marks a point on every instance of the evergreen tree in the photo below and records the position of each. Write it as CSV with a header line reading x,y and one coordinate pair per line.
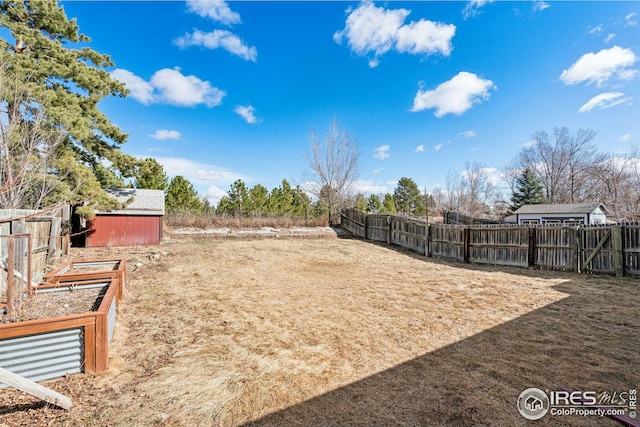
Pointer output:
x,y
360,203
151,176
388,205
258,200
65,84
374,205
224,207
528,190
301,203
239,198
407,198
182,197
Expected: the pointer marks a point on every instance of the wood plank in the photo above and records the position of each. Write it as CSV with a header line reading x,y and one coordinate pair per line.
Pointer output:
x,y
30,327
618,255
90,348
598,247
35,389
102,341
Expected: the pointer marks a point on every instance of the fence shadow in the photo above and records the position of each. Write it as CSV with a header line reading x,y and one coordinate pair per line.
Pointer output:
x,y
585,341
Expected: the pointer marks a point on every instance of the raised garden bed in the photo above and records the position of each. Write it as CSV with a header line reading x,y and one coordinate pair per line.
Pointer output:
x,y
89,270
66,326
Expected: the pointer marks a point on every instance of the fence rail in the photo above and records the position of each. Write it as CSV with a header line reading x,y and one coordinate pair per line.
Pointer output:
x,y
608,249
29,243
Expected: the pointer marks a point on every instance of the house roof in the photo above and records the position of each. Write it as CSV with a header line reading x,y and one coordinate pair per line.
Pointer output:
x,y
568,208
142,202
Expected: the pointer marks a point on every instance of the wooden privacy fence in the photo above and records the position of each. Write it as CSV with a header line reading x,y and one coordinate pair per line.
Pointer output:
x,y
29,243
608,249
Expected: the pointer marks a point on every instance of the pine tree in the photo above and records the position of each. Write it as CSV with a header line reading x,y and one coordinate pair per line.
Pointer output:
x,y
151,176
407,198
65,84
239,198
182,197
360,203
374,205
258,199
528,190
389,205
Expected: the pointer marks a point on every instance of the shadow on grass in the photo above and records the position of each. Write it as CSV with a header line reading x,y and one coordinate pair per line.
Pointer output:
x,y
585,341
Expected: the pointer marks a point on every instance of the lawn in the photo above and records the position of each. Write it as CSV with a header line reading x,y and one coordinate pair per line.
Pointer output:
x,y
331,331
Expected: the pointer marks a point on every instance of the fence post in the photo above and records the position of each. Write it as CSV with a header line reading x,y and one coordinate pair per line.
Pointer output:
x,y
427,240
532,247
389,229
578,248
366,217
618,256
10,265
466,245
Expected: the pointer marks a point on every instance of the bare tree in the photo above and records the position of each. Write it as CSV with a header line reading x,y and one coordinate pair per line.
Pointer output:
x,y
562,162
471,191
477,188
617,181
334,166
28,152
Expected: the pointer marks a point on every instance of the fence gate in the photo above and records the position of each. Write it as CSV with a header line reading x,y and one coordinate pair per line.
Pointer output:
x,y
601,250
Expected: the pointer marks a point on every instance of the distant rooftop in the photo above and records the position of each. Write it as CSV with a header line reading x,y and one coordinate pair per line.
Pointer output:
x,y
145,202
568,208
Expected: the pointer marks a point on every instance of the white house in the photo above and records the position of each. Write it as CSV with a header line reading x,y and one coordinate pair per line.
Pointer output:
x,y
566,214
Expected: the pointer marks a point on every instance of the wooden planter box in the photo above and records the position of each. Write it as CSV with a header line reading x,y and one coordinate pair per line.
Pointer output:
x,y
50,348
76,271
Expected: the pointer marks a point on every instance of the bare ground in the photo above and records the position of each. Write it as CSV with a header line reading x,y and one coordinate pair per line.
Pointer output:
x,y
328,332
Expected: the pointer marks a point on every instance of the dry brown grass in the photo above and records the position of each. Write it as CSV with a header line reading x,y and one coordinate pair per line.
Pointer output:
x,y
327,332
213,221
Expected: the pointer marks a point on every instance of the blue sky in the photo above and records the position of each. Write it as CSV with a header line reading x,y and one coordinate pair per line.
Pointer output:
x,y
221,91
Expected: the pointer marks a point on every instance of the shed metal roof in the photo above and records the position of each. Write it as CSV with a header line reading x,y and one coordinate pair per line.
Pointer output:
x,y
145,202
567,208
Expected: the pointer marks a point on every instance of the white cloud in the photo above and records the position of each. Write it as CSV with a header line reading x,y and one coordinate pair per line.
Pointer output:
x,y
599,68
605,100
382,152
378,170
454,96
370,29
625,138
425,37
630,21
218,10
596,29
609,38
468,134
202,175
164,134
218,38
540,5
139,89
214,194
247,113
420,148
473,8
369,187
530,143
170,86
437,147
177,89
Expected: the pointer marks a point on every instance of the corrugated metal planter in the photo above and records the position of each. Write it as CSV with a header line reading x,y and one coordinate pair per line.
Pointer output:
x,y
50,348
90,270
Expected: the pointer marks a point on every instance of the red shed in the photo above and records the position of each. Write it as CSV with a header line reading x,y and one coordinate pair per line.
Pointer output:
x,y
139,223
